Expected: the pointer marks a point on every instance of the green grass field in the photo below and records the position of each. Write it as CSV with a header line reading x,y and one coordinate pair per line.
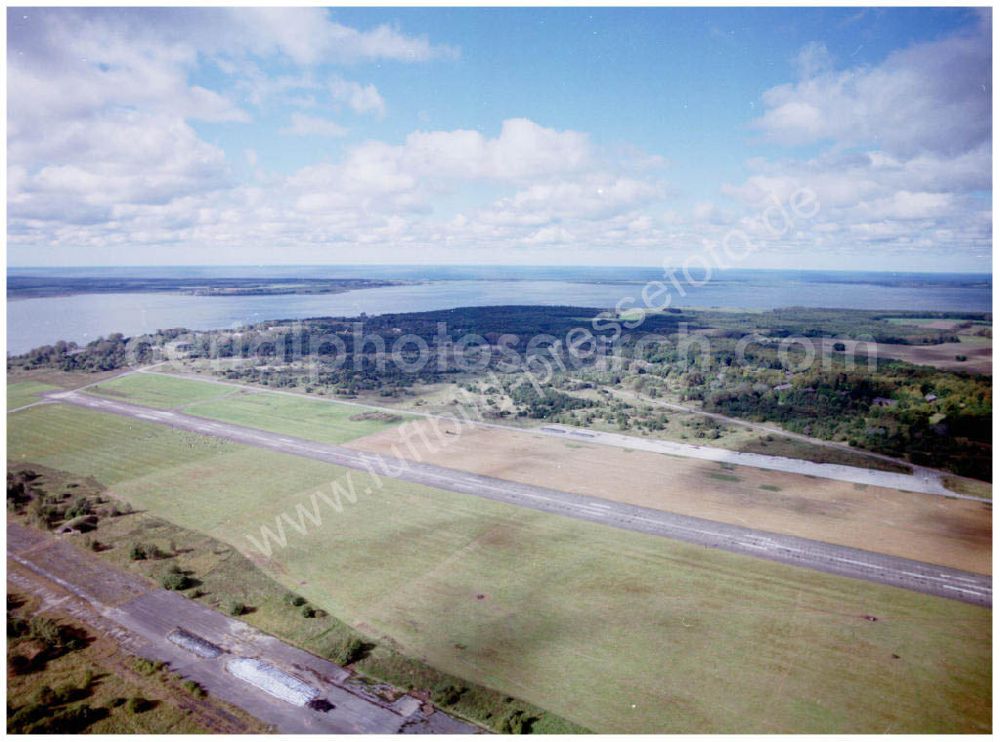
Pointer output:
x,y
619,632
162,392
315,419
22,393
224,576
966,486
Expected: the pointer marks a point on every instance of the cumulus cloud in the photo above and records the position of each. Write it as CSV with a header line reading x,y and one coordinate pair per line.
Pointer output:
x,y
114,118
359,98
310,36
380,194
382,176
68,70
103,103
904,147
933,97
523,149
121,159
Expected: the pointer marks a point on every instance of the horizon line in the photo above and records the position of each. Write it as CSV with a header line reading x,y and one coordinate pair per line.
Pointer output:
x,y
483,265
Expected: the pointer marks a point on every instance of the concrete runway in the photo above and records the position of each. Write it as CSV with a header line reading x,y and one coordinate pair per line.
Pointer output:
x,y
924,479
139,617
919,482
817,555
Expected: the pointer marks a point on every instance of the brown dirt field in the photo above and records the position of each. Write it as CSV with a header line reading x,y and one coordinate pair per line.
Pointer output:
x,y
954,533
979,354
944,324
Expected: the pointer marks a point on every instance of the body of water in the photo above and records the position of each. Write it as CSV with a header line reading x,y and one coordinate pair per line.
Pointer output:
x,y
81,318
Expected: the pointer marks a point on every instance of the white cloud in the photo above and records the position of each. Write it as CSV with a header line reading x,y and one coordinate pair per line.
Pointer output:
x,y
306,36
933,97
523,149
302,126
591,197
98,121
118,159
380,176
380,195
359,98
813,59
105,110
906,148
101,146
309,36
906,205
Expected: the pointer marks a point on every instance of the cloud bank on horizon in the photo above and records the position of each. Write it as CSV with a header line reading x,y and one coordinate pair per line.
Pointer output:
x,y
185,135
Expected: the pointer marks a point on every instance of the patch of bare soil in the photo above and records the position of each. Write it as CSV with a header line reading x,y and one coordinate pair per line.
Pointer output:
x,y
927,528
63,379
979,358
377,415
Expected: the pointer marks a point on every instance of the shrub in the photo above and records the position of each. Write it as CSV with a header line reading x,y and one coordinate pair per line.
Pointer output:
x,y
295,600
147,667
308,611
235,608
73,720
194,689
52,635
80,506
175,581
16,626
447,694
22,720
43,696
46,696
348,651
18,664
516,722
40,514
136,705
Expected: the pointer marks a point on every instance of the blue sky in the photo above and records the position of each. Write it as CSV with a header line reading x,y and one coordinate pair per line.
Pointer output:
x,y
536,136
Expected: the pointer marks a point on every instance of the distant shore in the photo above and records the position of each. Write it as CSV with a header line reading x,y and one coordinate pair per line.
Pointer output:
x,y
37,287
